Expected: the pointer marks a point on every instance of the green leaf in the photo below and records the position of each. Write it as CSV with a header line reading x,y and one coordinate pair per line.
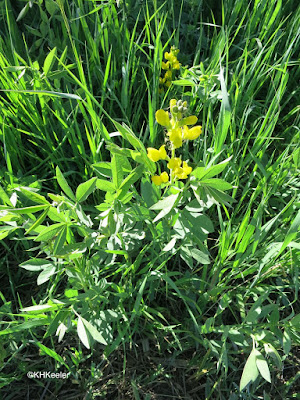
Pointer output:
x,y
25,210
170,245
64,185
262,366
215,183
49,232
45,275
60,240
117,170
49,61
196,254
94,332
39,308
36,264
71,293
82,333
287,342
85,189
105,185
23,12
39,220
50,353
165,205
250,371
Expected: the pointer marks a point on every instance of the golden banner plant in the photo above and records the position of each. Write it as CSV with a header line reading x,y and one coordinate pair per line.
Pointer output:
x,y
178,131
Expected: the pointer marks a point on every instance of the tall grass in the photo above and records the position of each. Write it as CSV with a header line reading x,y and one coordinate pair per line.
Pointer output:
x,y
70,74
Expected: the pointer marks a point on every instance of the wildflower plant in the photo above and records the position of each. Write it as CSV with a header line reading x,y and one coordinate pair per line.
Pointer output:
x,y
177,124
170,66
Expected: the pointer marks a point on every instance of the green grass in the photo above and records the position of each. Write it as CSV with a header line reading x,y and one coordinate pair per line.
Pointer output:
x,y
146,316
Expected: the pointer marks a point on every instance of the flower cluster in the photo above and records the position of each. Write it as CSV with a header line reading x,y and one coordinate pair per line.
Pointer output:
x,y
177,125
169,66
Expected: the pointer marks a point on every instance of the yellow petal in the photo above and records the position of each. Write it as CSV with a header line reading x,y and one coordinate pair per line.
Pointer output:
x,y
162,152
193,133
165,65
174,163
187,170
191,120
156,180
164,177
162,117
172,103
153,154
176,137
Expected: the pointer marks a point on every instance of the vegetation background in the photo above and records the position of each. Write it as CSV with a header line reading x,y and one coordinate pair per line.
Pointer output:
x,y
130,309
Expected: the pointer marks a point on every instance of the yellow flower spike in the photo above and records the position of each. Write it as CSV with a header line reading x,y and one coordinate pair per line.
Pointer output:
x,y
191,120
168,84
162,117
162,152
176,137
153,154
157,180
174,163
164,177
193,133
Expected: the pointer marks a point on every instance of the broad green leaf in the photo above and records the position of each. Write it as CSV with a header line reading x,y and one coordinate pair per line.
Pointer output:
x,y
165,203
23,12
85,189
60,240
94,332
250,371
117,170
262,366
215,183
148,192
36,264
196,254
82,333
49,232
170,245
105,185
271,351
103,168
49,61
45,275
64,184
71,292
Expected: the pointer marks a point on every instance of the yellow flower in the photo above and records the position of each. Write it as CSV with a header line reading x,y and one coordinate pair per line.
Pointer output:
x,y
173,103
165,65
156,155
176,137
168,55
162,152
168,75
174,163
164,177
156,179
192,133
153,154
186,168
168,84
162,117
176,65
